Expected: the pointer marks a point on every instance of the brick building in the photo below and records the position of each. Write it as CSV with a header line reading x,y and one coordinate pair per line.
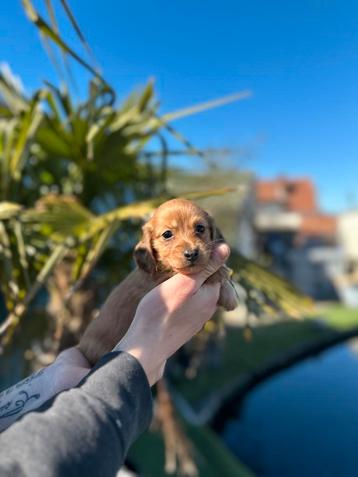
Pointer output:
x,y
298,237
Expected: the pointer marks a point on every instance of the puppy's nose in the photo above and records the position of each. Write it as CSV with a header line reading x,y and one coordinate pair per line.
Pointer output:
x,y
191,255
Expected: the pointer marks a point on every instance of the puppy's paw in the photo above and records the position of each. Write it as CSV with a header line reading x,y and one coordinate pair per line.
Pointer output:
x,y
228,298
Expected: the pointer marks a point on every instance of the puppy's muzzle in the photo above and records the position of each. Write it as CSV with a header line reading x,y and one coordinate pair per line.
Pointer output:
x,y
191,255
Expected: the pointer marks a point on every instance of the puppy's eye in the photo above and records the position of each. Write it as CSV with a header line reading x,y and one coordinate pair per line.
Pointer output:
x,y
167,234
199,229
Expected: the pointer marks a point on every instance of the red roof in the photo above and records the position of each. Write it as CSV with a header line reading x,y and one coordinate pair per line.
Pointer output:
x,y
296,195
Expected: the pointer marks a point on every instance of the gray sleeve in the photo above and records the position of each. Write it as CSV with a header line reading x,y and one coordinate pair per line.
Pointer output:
x,y
85,431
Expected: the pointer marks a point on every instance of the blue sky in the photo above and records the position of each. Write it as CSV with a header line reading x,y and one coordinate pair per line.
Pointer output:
x,y
299,58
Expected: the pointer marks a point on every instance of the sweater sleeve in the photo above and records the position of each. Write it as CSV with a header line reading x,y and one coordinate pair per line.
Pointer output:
x,y
86,430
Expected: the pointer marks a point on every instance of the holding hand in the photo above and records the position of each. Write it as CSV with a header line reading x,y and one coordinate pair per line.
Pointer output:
x,y
171,314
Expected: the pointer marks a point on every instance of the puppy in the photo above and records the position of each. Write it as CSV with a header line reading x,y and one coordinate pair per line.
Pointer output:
x,y
179,238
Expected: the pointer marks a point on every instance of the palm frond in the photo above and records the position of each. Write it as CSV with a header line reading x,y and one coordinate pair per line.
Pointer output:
x,y
9,210
49,32
7,328
199,108
266,293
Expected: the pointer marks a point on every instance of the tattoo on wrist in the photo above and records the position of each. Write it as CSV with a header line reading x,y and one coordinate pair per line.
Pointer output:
x,y
13,402
10,408
27,380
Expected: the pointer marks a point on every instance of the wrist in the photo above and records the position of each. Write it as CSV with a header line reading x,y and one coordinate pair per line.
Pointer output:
x,y
73,356
69,368
67,377
152,367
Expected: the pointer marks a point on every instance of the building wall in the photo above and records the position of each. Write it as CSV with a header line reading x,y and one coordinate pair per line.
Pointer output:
x,y
348,234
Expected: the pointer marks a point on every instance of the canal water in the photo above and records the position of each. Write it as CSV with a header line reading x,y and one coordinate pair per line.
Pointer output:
x,y
304,421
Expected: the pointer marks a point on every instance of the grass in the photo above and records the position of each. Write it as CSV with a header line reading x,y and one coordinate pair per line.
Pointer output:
x,y
268,341
339,316
211,456
241,356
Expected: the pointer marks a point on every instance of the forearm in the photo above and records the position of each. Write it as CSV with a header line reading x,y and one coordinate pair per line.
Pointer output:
x,y
86,430
33,391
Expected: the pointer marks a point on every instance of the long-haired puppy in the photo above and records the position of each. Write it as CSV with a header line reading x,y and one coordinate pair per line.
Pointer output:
x,y
179,238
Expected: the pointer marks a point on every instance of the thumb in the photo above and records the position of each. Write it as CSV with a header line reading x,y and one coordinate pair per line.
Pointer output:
x,y
219,256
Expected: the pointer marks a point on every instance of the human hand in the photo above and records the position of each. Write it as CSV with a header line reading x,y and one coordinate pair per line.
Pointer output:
x,y
171,314
69,368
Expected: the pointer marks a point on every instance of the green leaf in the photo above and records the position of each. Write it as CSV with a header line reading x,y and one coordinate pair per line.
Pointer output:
x,y
77,29
267,293
62,97
147,95
27,128
54,140
17,226
59,217
7,328
5,112
199,108
49,32
93,254
9,210
10,94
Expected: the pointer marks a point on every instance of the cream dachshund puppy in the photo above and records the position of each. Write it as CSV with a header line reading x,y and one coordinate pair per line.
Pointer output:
x,y
179,238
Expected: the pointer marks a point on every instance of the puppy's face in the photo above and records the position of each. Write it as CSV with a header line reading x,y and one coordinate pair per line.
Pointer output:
x,y
179,238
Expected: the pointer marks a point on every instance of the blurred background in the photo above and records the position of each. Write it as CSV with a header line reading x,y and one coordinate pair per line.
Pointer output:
x,y
108,109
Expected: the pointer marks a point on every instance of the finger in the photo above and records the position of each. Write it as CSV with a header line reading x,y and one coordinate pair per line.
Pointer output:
x,y
189,284
218,258
210,295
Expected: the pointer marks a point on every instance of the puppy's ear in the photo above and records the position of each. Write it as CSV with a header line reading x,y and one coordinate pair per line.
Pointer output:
x,y
143,252
215,233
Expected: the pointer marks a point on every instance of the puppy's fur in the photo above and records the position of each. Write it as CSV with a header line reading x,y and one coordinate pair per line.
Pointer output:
x,y
179,238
